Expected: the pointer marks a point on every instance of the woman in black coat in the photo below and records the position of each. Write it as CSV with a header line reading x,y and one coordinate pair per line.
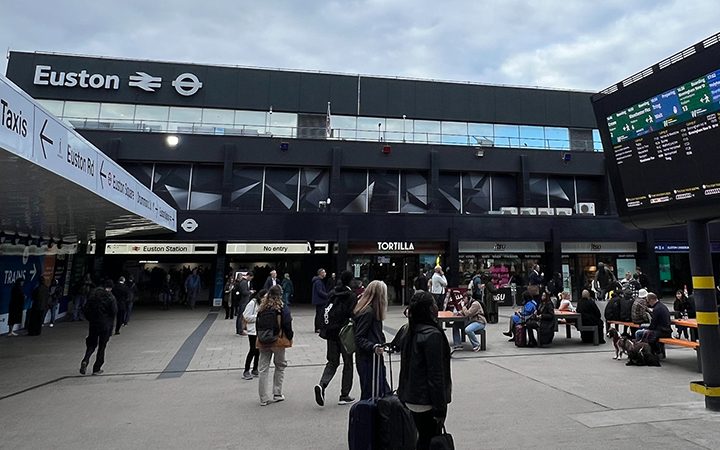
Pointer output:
x,y
546,319
425,383
590,313
17,305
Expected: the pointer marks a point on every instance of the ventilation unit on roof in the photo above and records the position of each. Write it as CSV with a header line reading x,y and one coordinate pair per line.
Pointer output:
x,y
509,210
528,211
546,211
587,209
563,211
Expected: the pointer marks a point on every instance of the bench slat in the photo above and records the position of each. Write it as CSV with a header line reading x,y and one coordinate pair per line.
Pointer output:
x,y
679,342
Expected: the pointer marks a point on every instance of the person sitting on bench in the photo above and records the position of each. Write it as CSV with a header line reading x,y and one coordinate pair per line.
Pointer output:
x,y
659,323
528,309
590,315
472,310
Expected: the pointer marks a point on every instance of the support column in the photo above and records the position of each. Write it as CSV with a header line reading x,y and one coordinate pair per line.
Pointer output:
x,y
452,259
342,254
707,314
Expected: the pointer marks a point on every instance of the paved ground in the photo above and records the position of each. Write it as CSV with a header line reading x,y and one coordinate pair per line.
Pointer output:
x,y
568,396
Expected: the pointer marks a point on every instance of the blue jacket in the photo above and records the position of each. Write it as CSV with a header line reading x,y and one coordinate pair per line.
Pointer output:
x,y
528,310
319,294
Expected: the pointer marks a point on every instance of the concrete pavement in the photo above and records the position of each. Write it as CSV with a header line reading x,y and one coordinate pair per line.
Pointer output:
x,y
567,396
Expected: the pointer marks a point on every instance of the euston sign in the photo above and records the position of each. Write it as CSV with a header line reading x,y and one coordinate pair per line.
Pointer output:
x,y
185,84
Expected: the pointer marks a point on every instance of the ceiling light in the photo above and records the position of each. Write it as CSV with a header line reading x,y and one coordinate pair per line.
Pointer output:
x,y
172,141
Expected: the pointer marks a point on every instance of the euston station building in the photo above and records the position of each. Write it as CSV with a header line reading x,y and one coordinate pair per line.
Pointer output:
x,y
383,176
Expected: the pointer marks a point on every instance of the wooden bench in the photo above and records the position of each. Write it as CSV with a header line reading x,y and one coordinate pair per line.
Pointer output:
x,y
695,345
631,325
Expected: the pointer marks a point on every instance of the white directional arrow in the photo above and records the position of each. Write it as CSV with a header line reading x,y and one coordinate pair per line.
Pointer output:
x,y
33,272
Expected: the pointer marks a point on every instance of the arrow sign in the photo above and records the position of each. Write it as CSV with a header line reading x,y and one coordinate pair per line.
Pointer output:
x,y
44,139
33,272
102,174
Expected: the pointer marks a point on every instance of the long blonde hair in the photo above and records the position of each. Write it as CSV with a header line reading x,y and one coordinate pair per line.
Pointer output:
x,y
375,296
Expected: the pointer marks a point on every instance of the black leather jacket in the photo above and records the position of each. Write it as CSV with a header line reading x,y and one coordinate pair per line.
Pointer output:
x,y
425,370
368,332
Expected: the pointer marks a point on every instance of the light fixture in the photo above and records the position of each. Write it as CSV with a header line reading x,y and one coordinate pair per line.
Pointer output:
x,y
284,146
479,152
172,141
567,157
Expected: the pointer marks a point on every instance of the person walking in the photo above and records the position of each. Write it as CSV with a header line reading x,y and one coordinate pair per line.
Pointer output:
x,y
121,294
100,311
242,293
341,302
250,316
82,291
369,314
272,280
132,296
425,385
288,289
438,284
319,298
271,315
53,301
17,305
227,301
192,287
38,309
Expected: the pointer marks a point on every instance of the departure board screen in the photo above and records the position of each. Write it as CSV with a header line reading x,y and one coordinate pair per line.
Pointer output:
x,y
661,137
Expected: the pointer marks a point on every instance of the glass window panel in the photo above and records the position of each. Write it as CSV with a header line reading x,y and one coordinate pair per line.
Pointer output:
x,y
589,190
82,110
283,124
344,127
538,192
504,191
455,133
152,113
314,187
224,117
141,171
54,106
427,131
281,186
383,191
171,184
394,130
185,115
256,118
557,138
476,193
448,199
247,188
597,142
368,129
481,134
117,111
532,137
507,136
414,192
352,191
207,188
562,192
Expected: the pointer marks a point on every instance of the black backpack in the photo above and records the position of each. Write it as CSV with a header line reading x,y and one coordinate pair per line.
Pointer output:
x,y
335,317
421,283
267,326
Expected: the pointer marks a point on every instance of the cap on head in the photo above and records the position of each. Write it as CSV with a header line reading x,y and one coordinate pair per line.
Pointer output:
x,y
642,293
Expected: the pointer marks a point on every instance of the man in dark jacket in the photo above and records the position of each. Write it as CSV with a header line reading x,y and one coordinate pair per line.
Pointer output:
x,y
243,291
319,298
272,280
100,311
425,384
38,308
337,313
659,324
122,297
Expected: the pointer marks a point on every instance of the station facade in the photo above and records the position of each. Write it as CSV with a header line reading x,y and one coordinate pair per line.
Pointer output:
x,y
382,176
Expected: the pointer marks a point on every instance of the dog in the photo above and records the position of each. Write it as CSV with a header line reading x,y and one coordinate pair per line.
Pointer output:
x,y
621,342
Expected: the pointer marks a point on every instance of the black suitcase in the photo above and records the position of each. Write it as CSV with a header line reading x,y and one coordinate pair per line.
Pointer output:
x,y
363,418
396,426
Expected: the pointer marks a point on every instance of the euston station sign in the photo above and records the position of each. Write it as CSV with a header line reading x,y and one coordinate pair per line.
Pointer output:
x,y
159,248
185,84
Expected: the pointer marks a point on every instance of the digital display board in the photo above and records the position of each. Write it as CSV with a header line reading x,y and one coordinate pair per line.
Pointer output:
x,y
661,138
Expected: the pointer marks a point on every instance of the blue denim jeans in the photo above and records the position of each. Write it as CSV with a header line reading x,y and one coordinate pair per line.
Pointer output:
x,y
469,331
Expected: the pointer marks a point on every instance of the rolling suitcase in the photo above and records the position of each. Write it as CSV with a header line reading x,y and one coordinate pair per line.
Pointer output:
x,y
520,336
363,417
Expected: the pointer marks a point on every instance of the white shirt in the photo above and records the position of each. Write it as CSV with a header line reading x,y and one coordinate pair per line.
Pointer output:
x,y
250,316
438,283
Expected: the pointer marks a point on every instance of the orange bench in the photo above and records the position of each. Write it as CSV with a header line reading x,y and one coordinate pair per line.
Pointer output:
x,y
695,345
631,325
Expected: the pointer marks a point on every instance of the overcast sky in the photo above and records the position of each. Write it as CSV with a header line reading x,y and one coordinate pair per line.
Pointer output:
x,y
571,44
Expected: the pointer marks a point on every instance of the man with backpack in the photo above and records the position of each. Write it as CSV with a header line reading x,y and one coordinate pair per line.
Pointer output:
x,y
337,313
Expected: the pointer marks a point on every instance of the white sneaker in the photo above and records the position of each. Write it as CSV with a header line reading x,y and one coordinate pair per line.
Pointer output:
x,y
52,325
278,398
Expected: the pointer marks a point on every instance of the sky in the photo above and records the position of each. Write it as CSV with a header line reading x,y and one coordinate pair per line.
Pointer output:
x,y
567,44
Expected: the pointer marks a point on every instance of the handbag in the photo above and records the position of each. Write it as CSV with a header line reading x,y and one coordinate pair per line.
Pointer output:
x,y
347,337
443,441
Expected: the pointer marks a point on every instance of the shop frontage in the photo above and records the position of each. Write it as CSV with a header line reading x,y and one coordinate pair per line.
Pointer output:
x,y
580,260
396,263
509,264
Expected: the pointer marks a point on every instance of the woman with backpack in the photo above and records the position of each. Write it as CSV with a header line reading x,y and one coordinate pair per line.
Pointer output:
x,y
250,316
369,337
274,334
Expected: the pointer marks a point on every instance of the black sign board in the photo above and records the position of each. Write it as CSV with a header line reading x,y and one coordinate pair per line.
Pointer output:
x,y
661,136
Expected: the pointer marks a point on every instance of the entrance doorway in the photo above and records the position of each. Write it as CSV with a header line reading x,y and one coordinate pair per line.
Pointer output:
x,y
397,271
